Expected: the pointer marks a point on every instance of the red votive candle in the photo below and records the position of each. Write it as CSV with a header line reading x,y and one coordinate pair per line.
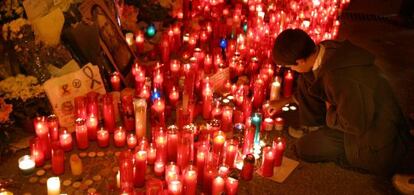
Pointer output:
x,y
248,168
218,143
231,152
279,146
232,186
152,154
227,119
103,138
268,161
175,187
140,168
174,96
172,172
42,131
65,140
218,186
92,125
36,151
279,123
80,107
172,143
131,141
116,81
81,134
119,137
159,168
53,124
190,180
161,145
58,161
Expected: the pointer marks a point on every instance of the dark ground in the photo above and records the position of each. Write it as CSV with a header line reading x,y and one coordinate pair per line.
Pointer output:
x,y
364,24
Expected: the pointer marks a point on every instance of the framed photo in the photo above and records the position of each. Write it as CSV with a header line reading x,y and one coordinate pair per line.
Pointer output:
x,y
112,40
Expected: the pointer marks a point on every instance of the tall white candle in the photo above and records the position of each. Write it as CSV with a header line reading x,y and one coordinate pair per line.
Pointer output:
x,y
140,108
53,186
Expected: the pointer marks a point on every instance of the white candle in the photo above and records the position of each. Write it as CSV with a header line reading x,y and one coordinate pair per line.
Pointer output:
x,y
275,90
26,164
53,186
140,107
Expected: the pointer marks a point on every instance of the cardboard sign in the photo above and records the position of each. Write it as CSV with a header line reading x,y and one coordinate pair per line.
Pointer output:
x,y
219,79
62,91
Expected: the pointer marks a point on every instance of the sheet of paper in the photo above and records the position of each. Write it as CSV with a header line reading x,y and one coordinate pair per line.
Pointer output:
x,y
48,28
281,173
37,8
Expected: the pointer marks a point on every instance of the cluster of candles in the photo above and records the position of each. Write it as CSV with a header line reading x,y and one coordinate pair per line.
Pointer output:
x,y
229,45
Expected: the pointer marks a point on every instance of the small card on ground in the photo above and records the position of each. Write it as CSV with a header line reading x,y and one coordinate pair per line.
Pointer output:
x,y
282,172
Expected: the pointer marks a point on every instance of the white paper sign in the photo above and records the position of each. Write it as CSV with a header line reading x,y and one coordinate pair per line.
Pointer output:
x,y
62,91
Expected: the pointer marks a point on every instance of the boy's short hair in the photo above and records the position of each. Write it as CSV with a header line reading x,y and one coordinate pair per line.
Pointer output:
x,y
291,45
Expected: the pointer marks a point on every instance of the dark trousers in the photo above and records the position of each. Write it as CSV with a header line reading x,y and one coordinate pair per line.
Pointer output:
x,y
407,8
325,144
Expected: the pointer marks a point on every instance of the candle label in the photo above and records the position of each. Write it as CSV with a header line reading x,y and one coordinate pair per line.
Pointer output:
x,y
219,79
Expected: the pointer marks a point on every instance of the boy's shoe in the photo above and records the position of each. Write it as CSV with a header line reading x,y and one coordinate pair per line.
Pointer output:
x,y
302,130
404,183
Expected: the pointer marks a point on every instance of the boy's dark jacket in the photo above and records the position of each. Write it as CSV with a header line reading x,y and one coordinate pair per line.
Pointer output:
x,y
362,106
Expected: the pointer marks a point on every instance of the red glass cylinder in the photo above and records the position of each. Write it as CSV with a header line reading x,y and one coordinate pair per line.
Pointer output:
x,y
232,186
248,168
140,168
92,104
218,143
279,146
268,161
131,141
53,124
185,151
108,113
103,138
227,119
172,143
58,161
190,180
66,141
119,137
161,147
36,151
288,84
116,81
128,113
81,134
151,154
80,107
42,131
218,186
126,173
92,125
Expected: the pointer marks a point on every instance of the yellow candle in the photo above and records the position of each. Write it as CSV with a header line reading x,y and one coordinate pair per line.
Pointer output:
x,y
75,164
53,186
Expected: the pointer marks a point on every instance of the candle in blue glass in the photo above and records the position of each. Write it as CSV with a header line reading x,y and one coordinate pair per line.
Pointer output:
x,y
257,121
223,43
155,94
151,30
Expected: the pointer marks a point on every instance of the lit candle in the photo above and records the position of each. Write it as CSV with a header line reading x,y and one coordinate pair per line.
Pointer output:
x,y
140,168
231,186
65,140
129,37
131,141
161,147
80,107
288,84
75,164
126,171
172,172
140,107
185,150
152,154
174,96
36,151
42,131
58,161
118,179
53,186
218,143
268,161
231,152
227,119
119,137
207,99
159,168
116,81
190,180
26,164
92,125
275,90
279,123
257,121
258,93
175,187
202,152
223,171
53,124
218,186
81,134
139,41
279,146
172,143
103,138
